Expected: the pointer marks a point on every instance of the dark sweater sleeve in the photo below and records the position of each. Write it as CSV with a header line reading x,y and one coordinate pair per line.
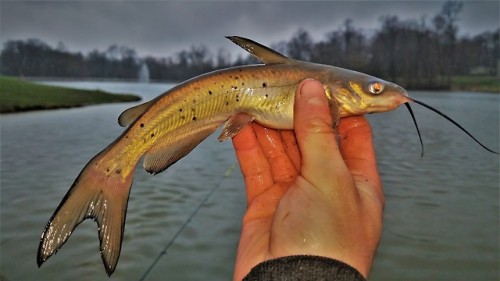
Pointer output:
x,y
303,268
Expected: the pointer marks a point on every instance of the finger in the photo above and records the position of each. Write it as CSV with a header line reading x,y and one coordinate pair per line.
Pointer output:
x,y
273,148
359,154
253,163
322,163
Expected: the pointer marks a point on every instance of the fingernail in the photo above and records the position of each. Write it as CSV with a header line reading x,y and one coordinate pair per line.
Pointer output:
x,y
311,90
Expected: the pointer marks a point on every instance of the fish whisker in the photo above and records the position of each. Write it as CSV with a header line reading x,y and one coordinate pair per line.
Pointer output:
x,y
454,123
416,126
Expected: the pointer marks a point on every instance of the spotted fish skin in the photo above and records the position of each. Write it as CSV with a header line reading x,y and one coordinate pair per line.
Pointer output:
x,y
164,130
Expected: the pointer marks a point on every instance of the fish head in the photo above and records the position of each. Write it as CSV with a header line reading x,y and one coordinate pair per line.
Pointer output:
x,y
358,93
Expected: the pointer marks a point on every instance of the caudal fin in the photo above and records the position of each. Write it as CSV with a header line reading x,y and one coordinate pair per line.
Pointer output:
x,y
95,194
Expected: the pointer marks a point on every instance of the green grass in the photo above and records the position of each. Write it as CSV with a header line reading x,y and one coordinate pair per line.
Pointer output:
x,y
476,83
19,95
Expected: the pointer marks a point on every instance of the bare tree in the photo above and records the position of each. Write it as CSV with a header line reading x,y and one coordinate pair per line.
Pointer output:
x,y
445,24
300,46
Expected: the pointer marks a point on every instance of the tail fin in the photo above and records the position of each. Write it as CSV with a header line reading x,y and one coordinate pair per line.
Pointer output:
x,y
95,194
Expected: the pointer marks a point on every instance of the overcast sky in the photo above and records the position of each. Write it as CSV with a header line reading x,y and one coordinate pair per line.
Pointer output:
x,y
162,28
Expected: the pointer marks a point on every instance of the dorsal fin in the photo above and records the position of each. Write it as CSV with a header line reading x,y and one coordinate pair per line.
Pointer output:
x,y
261,52
130,115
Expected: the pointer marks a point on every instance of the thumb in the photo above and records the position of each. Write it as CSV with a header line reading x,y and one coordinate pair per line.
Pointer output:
x,y
313,125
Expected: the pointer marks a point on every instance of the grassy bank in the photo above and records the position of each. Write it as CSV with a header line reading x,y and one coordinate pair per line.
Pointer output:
x,y
19,95
489,84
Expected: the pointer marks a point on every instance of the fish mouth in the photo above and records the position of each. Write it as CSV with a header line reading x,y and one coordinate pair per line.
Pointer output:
x,y
392,100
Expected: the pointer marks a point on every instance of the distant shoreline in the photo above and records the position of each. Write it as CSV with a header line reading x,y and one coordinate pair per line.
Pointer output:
x,y
91,79
20,95
468,83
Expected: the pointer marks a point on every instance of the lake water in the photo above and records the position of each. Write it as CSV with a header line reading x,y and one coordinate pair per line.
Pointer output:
x,y
441,216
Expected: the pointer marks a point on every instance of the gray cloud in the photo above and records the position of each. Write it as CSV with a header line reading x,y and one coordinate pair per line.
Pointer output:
x,y
163,28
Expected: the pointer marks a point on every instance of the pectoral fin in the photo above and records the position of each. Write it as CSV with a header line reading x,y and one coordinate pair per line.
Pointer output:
x,y
334,111
234,125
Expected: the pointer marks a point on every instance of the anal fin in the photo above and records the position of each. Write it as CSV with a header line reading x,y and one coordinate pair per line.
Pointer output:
x,y
177,144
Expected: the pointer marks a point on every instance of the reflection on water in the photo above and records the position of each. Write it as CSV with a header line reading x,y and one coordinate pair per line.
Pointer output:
x,y
441,218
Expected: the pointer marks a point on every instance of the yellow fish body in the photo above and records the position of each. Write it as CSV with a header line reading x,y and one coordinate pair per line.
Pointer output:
x,y
167,128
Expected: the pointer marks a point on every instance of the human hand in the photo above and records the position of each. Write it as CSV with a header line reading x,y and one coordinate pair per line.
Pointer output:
x,y
305,194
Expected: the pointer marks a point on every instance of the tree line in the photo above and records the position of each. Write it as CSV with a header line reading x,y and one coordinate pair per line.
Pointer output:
x,y
413,53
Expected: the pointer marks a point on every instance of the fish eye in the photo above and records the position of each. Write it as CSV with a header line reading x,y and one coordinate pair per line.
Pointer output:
x,y
376,88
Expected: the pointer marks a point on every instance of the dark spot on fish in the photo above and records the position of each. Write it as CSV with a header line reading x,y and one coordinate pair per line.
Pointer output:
x,y
118,171
264,84
152,135
237,100
183,117
236,77
209,92
194,118
142,125
180,109
194,101
107,170
234,87
266,96
227,103
192,109
242,83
